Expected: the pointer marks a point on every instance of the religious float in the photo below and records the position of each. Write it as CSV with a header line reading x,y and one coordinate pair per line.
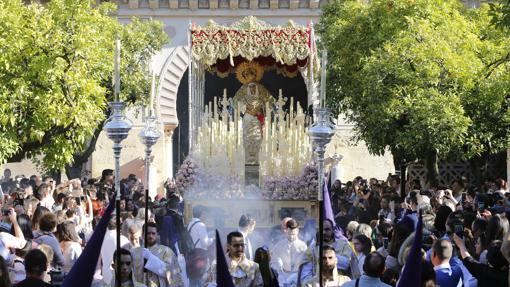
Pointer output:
x,y
250,151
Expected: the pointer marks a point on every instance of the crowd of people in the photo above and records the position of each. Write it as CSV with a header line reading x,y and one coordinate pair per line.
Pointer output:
x,y
44,227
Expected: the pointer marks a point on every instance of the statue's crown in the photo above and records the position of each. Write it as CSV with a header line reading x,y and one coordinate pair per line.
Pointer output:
x,y
249,72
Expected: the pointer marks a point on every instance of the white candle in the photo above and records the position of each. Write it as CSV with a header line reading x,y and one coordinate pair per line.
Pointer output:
x,y
116,70
215,104
291,109
153,91
324,63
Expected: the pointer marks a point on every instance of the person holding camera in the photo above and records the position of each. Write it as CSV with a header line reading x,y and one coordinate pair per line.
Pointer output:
x,y
8,241
493,274
105,186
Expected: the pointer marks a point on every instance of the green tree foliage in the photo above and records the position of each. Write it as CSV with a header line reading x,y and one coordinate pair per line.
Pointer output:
x,y
500,13
422,78
56,65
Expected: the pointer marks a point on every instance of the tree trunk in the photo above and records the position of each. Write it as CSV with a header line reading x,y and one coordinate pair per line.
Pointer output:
x,y
398,156
75,170
478,166
432,165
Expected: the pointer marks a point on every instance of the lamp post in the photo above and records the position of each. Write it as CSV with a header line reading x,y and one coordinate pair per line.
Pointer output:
x,y
403,167
149,135
321,133
117,128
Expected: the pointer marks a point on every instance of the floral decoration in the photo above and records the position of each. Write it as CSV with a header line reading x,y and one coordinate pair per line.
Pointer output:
x,y
186,175
194,183
303,187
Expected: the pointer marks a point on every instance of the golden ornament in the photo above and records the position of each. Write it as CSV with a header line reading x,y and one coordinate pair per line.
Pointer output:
x,y
249,72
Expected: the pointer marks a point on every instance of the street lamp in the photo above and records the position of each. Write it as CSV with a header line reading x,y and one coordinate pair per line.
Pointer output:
x,y
149,135
117,128
403,167
321,133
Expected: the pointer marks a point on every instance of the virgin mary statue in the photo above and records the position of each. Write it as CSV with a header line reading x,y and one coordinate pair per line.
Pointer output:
x,y
252,98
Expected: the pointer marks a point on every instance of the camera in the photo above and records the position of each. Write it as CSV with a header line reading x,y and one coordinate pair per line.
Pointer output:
x,y
459,229
79,199
386,242
6,212
481,206
57,277
19,201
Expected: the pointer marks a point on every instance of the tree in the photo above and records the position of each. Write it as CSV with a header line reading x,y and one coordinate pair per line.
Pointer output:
x,y
56,65
488,105
412,76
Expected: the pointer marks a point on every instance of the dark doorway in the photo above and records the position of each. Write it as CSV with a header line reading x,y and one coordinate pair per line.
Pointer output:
x,y
180,137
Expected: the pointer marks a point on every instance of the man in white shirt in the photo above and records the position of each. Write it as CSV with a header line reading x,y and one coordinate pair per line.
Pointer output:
x,y
288,253
246,226
197,228
46,197
108,248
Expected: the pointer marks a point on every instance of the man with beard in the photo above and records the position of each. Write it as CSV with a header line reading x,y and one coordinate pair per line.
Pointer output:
x,y
244,272
162,267
330,276
288,252
126,270
342,249
341,246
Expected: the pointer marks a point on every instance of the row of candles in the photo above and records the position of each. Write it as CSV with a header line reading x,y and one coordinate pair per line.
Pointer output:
x,y
219,149
284,151
285,148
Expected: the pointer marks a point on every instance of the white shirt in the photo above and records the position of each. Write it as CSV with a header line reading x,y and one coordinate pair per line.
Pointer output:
x,y
9,241
248,250
107,249
48,202
198,233
501,192
286,257
71,253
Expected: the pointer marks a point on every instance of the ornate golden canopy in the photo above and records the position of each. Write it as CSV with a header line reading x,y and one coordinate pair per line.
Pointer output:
x,y
251,38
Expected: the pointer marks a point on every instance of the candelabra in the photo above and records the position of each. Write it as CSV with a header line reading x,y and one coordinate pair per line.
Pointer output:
x,y
321,133
149,136
117,128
